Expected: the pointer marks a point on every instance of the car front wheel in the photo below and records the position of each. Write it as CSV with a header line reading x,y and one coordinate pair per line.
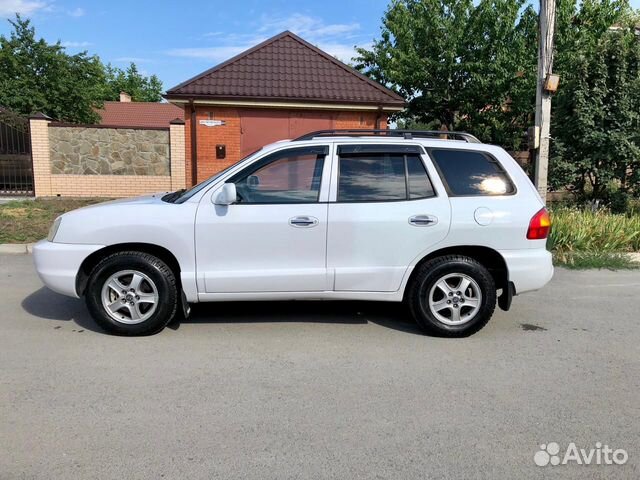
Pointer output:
x,y
452,296
132,293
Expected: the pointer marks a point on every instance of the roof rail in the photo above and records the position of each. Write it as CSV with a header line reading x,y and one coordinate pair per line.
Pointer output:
x,y
406,134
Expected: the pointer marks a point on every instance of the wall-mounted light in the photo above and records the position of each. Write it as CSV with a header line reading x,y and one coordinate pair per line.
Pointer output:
x,y
551,82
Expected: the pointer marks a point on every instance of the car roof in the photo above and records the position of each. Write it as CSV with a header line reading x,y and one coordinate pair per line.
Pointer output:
x,y
388,136
387,140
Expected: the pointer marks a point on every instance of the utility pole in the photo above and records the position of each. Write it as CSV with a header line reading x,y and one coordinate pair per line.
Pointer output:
x,y
543,95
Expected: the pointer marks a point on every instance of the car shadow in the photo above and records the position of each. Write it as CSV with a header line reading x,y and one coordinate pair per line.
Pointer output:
x,y
49,305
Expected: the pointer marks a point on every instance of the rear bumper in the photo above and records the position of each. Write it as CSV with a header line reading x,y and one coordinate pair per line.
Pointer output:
x,y
57,264
528,269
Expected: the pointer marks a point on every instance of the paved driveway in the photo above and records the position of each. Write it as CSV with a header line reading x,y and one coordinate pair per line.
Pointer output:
x,y
318,390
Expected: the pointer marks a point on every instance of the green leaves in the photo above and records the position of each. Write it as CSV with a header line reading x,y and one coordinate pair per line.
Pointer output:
x,y
472,66
460,64
37,76
596,114
141,88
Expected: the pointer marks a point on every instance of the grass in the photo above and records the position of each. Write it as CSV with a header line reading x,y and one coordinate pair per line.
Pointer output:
x,y
593,239
26,221
586,260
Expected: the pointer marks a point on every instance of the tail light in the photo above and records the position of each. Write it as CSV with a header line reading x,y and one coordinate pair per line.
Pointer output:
x,y
539,225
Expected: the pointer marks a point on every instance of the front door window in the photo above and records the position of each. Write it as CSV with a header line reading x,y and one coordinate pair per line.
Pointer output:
x,y
289,176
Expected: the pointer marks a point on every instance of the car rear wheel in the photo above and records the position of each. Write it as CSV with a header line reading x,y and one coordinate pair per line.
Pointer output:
x,y
132,293
452,296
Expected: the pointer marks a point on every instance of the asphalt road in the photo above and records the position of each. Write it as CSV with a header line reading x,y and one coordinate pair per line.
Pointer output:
x,y
319,390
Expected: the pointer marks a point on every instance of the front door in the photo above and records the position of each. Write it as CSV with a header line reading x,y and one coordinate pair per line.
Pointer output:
x,y
274,238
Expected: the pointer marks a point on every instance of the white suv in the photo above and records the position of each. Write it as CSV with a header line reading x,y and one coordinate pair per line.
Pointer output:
x,y
449,226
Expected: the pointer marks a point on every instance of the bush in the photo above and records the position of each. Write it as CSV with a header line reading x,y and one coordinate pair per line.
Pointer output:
x,y
577,231
619,201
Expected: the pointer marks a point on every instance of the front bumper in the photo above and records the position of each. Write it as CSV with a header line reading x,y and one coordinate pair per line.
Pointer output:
x,y
57,264
528,269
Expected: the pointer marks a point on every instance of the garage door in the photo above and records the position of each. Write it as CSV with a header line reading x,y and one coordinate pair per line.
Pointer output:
x,y
260,127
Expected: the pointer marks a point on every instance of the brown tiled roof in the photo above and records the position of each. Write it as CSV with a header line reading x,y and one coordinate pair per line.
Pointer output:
x,y
139,114
286,68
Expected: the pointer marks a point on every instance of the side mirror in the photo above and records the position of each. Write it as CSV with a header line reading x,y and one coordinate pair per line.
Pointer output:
x,y
226,195
253,182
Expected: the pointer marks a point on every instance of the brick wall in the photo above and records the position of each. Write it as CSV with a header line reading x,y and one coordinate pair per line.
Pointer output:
x,y
359,120
177,154
51,184
39,130
230,134
208,137
106,185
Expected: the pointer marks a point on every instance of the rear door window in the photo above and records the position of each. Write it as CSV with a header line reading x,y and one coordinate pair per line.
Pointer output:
x,y
468,173
381,176
370,178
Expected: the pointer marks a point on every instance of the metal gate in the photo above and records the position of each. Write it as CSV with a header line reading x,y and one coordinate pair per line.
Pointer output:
x,y
16,166
260,127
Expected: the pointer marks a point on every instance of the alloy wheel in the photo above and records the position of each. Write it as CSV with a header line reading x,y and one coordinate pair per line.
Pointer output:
x,y
455,299
129,296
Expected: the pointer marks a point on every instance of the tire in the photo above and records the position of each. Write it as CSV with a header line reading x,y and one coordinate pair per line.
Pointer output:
x,y
435,304
132,293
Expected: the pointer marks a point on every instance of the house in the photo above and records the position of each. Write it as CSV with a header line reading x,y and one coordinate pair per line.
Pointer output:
x,y
282,88
126,113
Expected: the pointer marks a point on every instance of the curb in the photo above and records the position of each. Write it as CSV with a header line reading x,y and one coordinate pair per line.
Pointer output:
x,y
16,248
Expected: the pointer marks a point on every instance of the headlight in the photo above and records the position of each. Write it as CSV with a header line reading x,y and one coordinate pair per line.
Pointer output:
x,y
54,229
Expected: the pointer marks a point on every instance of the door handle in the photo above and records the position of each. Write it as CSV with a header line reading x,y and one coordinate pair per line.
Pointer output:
x,y
423,220
303,221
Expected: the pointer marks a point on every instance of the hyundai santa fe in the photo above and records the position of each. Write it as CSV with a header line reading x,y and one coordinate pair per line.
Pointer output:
x,y
450,226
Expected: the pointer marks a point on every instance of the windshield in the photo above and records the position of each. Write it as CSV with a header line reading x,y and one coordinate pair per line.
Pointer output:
x,y
187,194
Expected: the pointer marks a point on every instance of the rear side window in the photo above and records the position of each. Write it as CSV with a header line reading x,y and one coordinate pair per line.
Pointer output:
x,y
471,173
382,177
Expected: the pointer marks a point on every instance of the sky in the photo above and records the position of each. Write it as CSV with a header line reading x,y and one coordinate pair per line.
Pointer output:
x,y
179,39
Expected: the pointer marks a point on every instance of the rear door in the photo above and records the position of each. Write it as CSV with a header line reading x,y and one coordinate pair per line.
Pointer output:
x,y
384,211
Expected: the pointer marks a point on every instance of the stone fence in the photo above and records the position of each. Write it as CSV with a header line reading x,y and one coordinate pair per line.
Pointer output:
x,y
103,161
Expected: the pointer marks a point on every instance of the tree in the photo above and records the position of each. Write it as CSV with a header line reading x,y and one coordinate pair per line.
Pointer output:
x,y
596,122
141,88
37,76
472,66
459,64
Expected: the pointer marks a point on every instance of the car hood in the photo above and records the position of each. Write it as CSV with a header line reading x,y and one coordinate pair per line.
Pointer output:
x,y
142,200
145,219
